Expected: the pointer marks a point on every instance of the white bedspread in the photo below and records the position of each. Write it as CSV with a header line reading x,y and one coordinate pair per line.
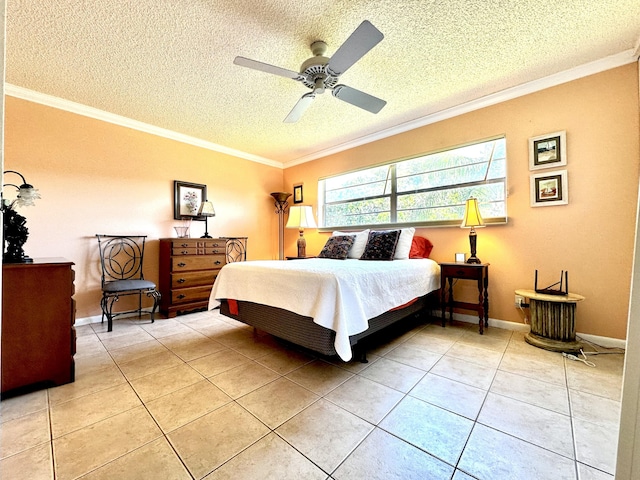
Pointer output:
x,y
338,294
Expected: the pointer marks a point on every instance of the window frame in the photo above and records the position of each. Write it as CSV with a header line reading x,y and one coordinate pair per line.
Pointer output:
x,y
393,194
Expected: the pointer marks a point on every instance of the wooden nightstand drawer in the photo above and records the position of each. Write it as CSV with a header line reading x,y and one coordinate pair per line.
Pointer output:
x,y
197,262
462,271
193,279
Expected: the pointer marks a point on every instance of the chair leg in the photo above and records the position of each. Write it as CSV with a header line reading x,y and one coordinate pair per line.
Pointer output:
x,y
107,309
156,299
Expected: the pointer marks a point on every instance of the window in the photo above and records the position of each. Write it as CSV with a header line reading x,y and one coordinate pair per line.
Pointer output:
x,y
425,190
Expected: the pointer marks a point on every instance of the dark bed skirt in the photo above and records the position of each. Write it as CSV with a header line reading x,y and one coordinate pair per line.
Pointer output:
x,y
302,331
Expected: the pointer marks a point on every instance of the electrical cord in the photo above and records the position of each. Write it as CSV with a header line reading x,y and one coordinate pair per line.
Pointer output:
x,y
584,360
596,347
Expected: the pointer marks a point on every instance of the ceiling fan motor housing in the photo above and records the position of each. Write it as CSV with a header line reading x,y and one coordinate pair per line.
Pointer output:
x,y
313,68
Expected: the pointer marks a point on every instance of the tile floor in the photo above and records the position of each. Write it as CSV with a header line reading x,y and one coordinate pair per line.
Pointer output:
x,y
202,396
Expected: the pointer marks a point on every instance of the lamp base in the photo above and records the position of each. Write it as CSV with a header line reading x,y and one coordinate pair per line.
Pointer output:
x,y
206,228
302,246
472,245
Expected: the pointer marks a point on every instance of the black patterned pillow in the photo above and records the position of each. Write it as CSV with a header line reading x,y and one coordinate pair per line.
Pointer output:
x,y
381,245
337,247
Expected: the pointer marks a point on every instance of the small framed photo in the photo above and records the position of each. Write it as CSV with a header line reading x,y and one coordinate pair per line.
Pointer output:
x,y
187,198
549,188
297,193
461,257
548,150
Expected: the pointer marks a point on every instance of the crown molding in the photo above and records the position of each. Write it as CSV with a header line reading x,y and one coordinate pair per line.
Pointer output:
x,y
97,114
591,68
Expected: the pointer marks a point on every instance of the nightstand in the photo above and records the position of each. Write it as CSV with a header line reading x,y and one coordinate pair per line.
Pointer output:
x,y
466,271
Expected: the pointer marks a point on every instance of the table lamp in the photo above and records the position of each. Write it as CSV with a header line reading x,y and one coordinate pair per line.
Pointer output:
x,y
472,219
206,210
301,217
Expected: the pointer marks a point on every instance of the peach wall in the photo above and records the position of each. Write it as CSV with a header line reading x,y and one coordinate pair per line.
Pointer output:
x,y
95,177
592,237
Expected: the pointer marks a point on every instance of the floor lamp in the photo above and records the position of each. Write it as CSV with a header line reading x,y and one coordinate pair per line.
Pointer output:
x,y
281,206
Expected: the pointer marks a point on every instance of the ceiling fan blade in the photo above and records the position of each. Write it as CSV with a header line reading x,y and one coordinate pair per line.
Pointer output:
x,y
265,67
300,108
359,99
363,39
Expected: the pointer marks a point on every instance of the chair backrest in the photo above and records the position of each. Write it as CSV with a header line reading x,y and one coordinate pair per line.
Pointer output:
x,y
121,257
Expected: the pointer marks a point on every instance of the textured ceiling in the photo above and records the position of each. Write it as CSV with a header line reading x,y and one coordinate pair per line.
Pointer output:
x,y
170,64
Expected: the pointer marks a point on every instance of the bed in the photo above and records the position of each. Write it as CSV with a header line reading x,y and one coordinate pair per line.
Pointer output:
x,y
325,304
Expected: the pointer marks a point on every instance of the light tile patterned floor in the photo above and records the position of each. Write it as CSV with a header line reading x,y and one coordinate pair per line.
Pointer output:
x,y
202,396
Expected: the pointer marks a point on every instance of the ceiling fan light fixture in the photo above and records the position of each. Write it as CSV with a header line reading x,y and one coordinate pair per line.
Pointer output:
x,y
319,84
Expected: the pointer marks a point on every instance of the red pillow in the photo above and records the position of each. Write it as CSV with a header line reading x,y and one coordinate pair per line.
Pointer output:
x,y
420,247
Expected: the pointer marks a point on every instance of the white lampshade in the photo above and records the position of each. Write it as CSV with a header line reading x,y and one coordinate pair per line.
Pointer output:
x,y
300,217
472,217
206,209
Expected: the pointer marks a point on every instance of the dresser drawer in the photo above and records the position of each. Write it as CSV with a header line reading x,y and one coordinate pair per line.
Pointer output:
x,y
193,279
181,251
193,294
197,262
198,243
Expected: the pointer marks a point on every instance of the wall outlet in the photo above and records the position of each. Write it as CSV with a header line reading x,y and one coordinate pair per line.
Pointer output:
x,y
519,301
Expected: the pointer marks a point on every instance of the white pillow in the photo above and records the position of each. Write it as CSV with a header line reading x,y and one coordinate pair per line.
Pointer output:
x,y
404,243
357,249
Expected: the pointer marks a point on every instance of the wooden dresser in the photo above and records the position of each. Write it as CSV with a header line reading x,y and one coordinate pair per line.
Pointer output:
x,y
188,268
38,314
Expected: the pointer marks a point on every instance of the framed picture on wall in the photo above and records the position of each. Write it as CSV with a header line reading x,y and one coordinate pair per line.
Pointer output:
x,y
549,188
187,198
297,193
547,151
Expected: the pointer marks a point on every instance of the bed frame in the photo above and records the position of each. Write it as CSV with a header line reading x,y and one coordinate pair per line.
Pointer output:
x,y
302,331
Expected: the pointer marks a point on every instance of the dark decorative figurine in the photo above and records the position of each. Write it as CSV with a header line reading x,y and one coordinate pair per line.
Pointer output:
x,y
14,224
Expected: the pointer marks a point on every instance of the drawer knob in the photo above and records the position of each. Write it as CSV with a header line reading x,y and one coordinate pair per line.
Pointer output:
x,y
218,262
185,252
182,264
181,280
184,245
460,272
216,245
181,296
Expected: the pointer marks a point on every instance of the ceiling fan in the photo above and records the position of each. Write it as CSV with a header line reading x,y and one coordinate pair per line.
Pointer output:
x,y
320,73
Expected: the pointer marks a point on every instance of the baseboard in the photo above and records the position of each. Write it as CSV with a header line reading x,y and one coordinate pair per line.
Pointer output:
x,y
493,322
606,342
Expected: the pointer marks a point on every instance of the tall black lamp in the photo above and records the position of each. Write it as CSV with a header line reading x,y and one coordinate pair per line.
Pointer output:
x,y
472,219
206,210
14,224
